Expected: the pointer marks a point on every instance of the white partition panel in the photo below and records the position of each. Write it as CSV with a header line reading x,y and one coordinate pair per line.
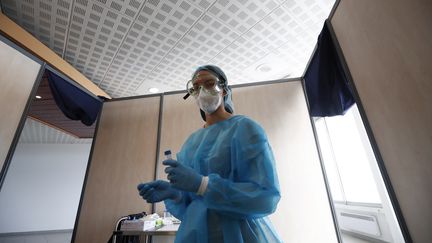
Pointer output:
x,y
43,186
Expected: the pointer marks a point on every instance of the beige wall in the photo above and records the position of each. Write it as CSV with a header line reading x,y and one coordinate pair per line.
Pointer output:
x,y
123,156
387,46
179,119
304,206
279,108
18,75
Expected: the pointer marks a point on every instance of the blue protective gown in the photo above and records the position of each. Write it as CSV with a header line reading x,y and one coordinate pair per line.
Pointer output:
x,y
243,186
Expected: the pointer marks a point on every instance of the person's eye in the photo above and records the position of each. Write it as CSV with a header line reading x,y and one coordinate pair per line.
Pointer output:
x,y
210,83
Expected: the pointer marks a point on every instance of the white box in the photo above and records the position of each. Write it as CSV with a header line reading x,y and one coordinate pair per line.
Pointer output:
x,y
138,225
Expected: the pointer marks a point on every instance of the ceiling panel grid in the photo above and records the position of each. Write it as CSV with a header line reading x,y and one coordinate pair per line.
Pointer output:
x,y
215,33
129,46
264,26
96,32
204,41
287,40
241,15
47,20
157,30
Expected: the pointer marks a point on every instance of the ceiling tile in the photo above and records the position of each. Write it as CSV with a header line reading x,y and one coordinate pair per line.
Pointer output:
x,y
240,15
95,36
129,46
204,41
158,29
46,21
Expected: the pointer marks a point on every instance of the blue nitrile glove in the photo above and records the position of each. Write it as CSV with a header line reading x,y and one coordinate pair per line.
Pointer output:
x,y
157,191
181,176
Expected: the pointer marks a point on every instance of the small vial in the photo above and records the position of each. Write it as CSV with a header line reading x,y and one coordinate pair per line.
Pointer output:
x,y
166,214
168,154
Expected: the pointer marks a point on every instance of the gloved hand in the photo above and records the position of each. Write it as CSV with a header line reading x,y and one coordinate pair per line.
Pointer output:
x,y
181,176
157,191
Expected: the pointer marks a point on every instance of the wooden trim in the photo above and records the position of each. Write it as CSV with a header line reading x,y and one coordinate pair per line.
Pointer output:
x,y
27,41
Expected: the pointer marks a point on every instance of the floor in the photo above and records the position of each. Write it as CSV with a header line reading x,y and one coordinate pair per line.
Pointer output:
x,y
64,237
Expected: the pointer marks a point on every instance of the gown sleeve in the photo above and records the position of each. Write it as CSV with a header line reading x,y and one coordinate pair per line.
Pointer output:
x,y
177,209
252,189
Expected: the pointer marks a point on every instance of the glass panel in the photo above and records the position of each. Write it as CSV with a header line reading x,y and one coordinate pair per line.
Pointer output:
x,y
43,183
362,207
352,160
329,161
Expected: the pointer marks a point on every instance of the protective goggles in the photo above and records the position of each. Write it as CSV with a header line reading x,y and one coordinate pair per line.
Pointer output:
x,y
208,83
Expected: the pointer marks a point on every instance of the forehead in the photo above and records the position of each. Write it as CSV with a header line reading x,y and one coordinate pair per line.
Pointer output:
x,y
203,75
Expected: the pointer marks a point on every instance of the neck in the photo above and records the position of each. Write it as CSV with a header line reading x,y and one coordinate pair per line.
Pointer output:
x,y
219,115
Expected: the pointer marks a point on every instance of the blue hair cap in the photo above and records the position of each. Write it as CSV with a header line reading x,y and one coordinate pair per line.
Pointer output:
x,y
229,106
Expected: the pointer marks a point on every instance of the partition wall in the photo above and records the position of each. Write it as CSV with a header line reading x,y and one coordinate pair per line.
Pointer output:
x,y
133,132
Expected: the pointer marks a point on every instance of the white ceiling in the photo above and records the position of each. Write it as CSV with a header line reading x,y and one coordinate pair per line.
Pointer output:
x,y
37,132
129,46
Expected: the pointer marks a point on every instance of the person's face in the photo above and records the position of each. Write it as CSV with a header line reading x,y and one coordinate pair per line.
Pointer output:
x,y
207,91
207,80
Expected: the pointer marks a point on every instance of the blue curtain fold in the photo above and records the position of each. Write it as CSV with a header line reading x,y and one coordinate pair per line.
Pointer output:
x,y
326,84
75,103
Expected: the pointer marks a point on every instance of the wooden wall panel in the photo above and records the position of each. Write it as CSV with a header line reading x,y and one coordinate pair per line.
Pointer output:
x,y
179,119
387,46
123,155
281,110
18,74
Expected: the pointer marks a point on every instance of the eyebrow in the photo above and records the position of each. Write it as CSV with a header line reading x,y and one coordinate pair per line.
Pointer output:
x,y
205,77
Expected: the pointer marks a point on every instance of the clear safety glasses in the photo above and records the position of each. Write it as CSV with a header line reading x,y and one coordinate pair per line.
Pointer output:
x,y
208,83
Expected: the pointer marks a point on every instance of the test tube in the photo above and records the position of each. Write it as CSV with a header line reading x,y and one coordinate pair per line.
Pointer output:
x,y
168,154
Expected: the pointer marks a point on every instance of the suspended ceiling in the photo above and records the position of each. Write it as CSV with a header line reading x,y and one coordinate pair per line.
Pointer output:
x,y
129,46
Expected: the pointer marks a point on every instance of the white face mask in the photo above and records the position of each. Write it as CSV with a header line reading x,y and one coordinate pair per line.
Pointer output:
x,y
208,102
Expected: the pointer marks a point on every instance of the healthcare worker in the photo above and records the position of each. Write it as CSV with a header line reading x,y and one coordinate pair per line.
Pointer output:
x,y
224,182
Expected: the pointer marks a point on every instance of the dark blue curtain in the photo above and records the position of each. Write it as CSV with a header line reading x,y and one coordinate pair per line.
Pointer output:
x,y
72,101
326,85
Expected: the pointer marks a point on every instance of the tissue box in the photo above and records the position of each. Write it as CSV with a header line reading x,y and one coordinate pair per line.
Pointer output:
x,y
138,225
